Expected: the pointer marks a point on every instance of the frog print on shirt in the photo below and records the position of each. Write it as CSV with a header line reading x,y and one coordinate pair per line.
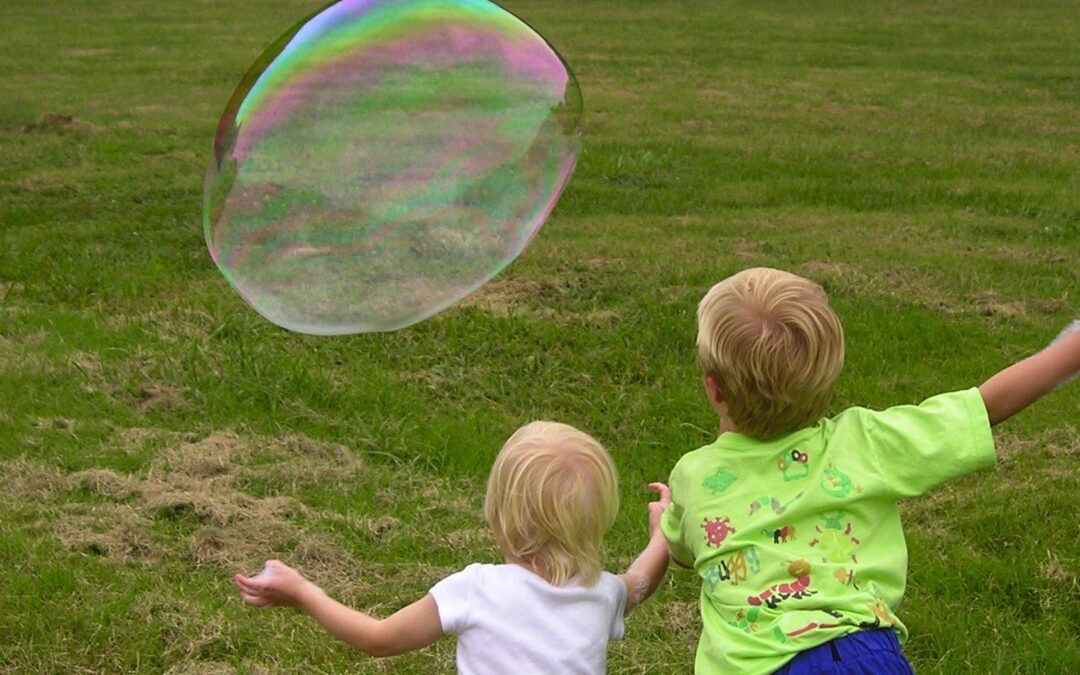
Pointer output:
x,y
794,464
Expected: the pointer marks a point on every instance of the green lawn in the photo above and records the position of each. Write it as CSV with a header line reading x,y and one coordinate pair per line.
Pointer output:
x,y
920,159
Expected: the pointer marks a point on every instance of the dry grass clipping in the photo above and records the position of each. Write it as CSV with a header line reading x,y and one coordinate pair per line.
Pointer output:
x,y
197,482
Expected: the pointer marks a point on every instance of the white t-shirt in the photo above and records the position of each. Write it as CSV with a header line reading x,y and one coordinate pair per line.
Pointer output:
x,y
509,620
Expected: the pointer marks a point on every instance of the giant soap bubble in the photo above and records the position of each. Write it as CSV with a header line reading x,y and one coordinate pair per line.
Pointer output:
x,y
385,158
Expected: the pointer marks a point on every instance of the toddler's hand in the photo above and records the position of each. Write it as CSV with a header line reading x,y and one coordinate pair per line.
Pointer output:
x,y
657,508
277,585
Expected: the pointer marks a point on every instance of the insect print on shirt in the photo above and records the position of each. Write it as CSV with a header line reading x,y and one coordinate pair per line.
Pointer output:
x,y
716,530
794,464
772,596
718,481
773,503
835,542
745,620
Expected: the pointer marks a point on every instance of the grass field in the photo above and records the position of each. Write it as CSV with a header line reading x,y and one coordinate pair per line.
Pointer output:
x,y
919,159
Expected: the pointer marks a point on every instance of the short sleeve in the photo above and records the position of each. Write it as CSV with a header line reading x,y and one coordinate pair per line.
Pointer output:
x,y
452,597
916,448
671,525
617,592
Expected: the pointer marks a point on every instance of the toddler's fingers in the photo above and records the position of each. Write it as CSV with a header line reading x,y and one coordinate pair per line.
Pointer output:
x,y
663,491
247,585
275,567
255,600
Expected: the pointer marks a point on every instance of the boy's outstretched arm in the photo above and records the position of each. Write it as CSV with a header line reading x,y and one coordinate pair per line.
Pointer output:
x,y
1023,383
409,628
647,571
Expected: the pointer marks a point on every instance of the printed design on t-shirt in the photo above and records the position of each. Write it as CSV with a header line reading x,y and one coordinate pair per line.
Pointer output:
x,y
845,577
718,481
772,596
735,568
835,543
836,483
794,464
716,530
814,625
773,503
882,616
746,619
781,535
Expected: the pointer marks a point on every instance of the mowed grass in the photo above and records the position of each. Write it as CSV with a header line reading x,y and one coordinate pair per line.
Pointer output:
x,y
921,160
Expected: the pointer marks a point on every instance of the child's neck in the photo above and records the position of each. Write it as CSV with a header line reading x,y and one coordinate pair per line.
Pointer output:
x,y
726,425
525,564
719,406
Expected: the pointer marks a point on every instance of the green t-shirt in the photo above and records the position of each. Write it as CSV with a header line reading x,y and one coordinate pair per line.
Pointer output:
x,y
797,539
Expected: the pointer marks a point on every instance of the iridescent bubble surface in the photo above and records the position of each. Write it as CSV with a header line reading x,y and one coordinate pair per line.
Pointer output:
x,y
385,158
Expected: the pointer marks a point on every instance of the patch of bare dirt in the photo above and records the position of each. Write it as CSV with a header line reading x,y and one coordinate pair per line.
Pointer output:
x,y
679,615
201,668
1057,574
913,286
88,363
986,303
539,299
160,397
105,483
461,541
115,531
21,479
50,121
196,482
54,423
519,296
1061,442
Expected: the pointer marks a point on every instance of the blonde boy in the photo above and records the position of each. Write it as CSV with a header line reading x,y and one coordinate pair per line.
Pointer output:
x,y
551,496
789,517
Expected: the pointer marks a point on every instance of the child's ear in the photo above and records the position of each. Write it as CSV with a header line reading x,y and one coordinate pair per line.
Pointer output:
x,y
712,391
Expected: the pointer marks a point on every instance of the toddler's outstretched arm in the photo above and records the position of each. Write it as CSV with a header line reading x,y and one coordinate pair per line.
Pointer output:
x,y
409,628
647,571
1023,383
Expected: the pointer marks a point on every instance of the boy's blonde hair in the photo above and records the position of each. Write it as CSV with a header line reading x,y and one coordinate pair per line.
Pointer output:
x,y
551,496
774,347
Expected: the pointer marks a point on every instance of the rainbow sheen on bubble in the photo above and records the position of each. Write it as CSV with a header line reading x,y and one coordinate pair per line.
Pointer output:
x,y
385,158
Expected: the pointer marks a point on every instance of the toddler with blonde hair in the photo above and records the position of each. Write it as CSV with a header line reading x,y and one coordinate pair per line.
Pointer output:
x,y
549,608
789,517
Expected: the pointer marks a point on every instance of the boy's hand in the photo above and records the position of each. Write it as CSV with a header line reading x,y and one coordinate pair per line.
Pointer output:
x,y
647,571
1066,332
277,585
657,508
1023,383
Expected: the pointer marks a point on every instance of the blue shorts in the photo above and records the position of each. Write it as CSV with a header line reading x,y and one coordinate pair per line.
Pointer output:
x,y
871,652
